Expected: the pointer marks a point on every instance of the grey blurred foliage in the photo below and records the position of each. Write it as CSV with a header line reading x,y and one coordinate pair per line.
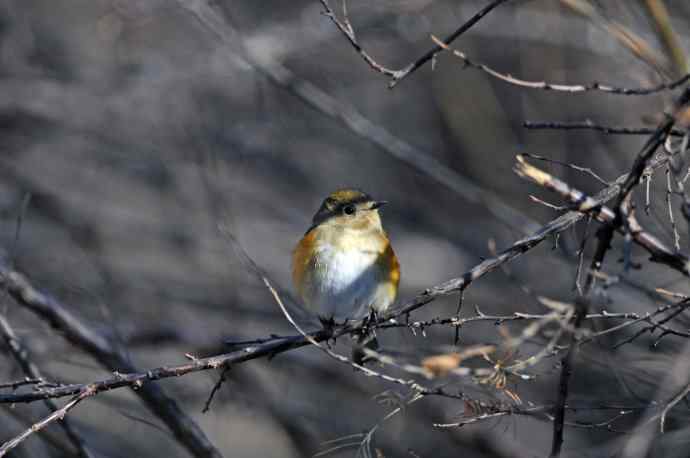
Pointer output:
x,y
132,127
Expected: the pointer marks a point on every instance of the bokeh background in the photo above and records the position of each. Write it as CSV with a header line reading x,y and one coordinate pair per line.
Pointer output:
x,y
129,129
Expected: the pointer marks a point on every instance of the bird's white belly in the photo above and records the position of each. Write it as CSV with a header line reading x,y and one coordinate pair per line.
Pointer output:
x,y
346,284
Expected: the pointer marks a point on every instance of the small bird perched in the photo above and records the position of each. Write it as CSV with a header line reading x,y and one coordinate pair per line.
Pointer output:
x,y
344,267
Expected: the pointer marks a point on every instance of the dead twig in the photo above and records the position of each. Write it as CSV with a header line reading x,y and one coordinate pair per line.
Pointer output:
x,y
35,377
52,311
588,124
581,202
570,88
58,414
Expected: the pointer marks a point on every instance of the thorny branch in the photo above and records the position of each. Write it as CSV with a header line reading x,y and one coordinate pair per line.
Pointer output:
x,y
35,377
57,315
58,414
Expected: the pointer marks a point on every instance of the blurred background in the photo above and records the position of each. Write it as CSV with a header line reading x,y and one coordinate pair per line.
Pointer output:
x,y
128,129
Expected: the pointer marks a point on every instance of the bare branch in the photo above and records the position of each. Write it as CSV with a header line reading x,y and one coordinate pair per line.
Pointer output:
x,y
585,170
583,203
52,311
58,414
346,28
429,55
571,88
140,380
520,247
587,124
34,377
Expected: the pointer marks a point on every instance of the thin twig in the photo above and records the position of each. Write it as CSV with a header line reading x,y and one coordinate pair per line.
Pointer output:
x,y
582,306
585,170
581,257
431,54
33,373
58,414
631,41
618,219
667,36
679,397
346,28
590,125
648,183
583,203
669,207
51,310
520,247
214,390
570,88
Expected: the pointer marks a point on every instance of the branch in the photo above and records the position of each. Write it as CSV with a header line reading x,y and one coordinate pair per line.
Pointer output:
x,y
588,124
571,88
621,219
582,307
49,309
398,75
668,37
429,55
346,28
58,414
585,204
635,44
33,374
554,227
140,380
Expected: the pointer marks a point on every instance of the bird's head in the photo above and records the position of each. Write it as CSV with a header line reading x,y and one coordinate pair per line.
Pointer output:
x,y
349,209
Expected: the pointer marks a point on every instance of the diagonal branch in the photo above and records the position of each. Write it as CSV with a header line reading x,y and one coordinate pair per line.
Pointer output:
x,y
58,414
346,28
585,204
32,372
49,309
429,55
552,228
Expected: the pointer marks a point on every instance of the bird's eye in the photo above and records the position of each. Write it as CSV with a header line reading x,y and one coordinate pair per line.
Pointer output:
x,y
349,209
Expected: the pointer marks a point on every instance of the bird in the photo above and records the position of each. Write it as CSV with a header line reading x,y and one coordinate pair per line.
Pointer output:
x,y
344,267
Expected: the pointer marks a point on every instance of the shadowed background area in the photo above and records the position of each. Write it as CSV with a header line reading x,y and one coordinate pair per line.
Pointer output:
x,y
130,129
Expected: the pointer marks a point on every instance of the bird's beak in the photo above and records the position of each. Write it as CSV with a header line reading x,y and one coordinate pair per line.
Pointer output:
x,y
378,203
